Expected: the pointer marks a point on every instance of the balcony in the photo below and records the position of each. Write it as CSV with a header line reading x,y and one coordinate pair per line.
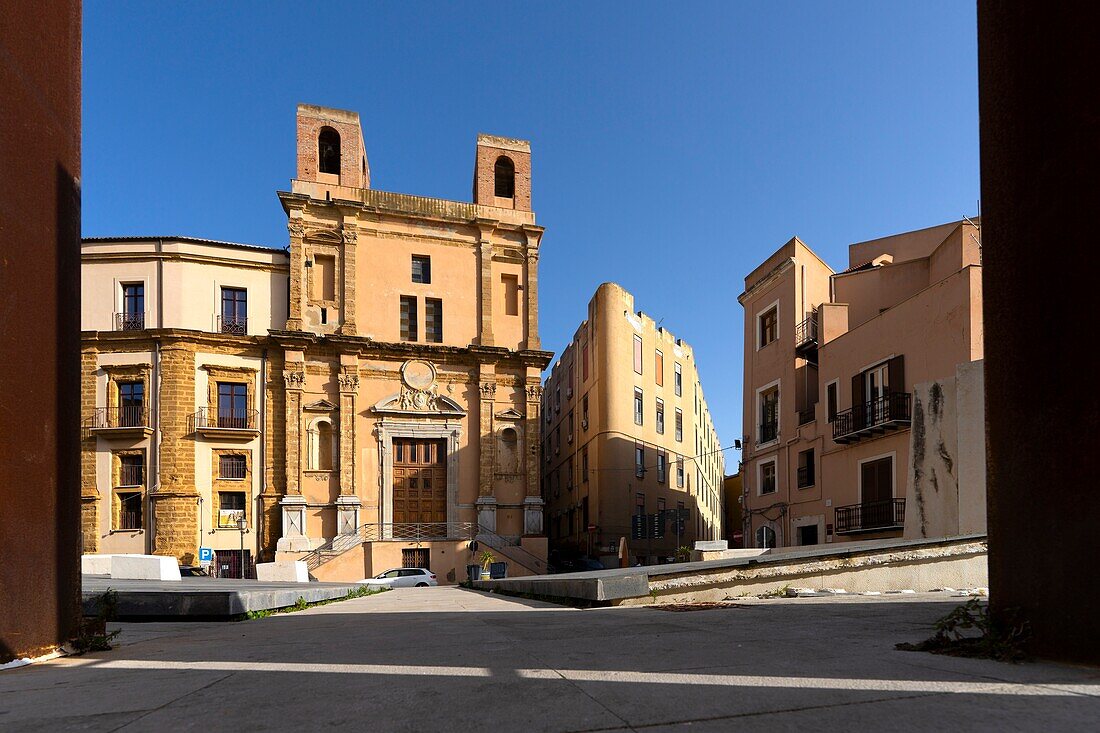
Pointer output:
x,y
131,474
873,516
129,321
225,424
131,421
805,337
807,416
769,431
871,419
233,325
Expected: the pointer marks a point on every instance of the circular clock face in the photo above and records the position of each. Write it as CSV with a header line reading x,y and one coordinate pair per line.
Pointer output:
x,y
418,374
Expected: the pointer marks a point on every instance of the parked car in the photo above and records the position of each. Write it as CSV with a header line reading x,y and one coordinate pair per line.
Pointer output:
x,y
193,571
403,578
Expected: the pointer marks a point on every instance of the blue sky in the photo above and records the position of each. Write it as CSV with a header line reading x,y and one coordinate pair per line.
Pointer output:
x,y
675,145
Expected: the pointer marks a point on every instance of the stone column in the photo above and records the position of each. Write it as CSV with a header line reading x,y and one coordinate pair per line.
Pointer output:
x,y
347,271
486,501
485,297
534,235
297,231
348,503
532,501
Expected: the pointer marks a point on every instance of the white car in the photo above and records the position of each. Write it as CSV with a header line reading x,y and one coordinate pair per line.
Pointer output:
x,y
403,578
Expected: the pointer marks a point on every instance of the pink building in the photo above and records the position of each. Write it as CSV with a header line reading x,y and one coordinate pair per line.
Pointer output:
x,y
831,361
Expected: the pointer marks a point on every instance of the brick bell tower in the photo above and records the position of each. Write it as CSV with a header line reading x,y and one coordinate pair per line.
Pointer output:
x,y
330,147
502,172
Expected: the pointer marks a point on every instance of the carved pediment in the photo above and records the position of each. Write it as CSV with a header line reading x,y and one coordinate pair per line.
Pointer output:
x,y
321,406
509,414
419,402
328,236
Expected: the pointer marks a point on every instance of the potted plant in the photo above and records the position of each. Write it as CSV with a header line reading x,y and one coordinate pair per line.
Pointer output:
x,y
487,559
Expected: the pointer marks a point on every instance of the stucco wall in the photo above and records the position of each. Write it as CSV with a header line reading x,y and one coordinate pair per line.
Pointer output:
x,y
945,480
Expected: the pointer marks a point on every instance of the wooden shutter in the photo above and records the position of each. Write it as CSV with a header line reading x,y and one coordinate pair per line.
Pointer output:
x,y
857,401
830,399
896,374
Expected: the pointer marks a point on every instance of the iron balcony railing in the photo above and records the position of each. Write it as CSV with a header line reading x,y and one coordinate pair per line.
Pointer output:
x,y
233,324
807,416
232,467
129,520
229,419
129,416
129,321
131,474
870,516
769,431
391,532
805,333
888,412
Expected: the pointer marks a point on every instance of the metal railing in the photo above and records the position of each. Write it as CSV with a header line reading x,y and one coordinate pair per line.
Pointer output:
x,y
129,321
805,333
391,532
232,467
130,416
511,551
872,515
768,431
888,409
131,474
232,324
230,419
807,416
129,520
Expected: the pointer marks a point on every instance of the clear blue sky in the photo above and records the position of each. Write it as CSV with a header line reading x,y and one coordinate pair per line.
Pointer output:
x,y
675,145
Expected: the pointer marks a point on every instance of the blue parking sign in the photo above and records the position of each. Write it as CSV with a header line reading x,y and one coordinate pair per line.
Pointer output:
x,y
206,555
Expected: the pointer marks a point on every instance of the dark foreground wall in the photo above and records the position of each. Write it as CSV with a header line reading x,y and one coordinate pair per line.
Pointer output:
x,y
39,324
1040,165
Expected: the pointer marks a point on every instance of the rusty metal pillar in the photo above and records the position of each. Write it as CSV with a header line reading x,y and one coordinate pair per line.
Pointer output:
x,y
1040,119
39,325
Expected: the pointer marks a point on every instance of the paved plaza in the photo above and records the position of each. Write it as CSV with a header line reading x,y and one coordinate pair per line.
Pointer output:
x,y
448,659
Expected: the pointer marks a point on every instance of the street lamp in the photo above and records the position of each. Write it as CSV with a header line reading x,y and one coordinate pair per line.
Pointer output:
x,y
242,525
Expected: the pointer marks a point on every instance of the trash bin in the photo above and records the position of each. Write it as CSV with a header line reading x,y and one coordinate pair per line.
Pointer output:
x,y
473,572
498,570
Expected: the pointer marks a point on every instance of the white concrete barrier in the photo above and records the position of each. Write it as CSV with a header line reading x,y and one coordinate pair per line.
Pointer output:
x,y
289,571
95,564
144,567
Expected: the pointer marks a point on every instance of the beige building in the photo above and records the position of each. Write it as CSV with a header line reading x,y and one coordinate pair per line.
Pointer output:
x,y
831,361
174,359
627,431
376,386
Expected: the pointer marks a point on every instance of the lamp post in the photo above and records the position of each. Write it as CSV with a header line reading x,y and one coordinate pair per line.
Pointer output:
x,y
242,525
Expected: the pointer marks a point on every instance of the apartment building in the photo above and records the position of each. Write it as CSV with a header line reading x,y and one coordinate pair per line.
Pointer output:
x,y
174,373
831,361
366,398
627,432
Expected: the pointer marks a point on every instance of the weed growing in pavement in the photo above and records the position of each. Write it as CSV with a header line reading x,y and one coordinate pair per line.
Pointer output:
x,y
93,630
970,631
302,604
777,593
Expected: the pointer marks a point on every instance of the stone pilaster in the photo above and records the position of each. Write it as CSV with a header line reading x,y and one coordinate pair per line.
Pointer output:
x,y
532,502
485,296
347,272
294,379
349,387
175,506
297,231
533,238
89,490
487,388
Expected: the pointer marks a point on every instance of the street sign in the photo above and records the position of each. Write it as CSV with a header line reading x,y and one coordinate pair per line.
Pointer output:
x,y
206,555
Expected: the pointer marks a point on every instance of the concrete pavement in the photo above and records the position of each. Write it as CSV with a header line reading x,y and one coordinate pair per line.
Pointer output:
x,y
448,659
